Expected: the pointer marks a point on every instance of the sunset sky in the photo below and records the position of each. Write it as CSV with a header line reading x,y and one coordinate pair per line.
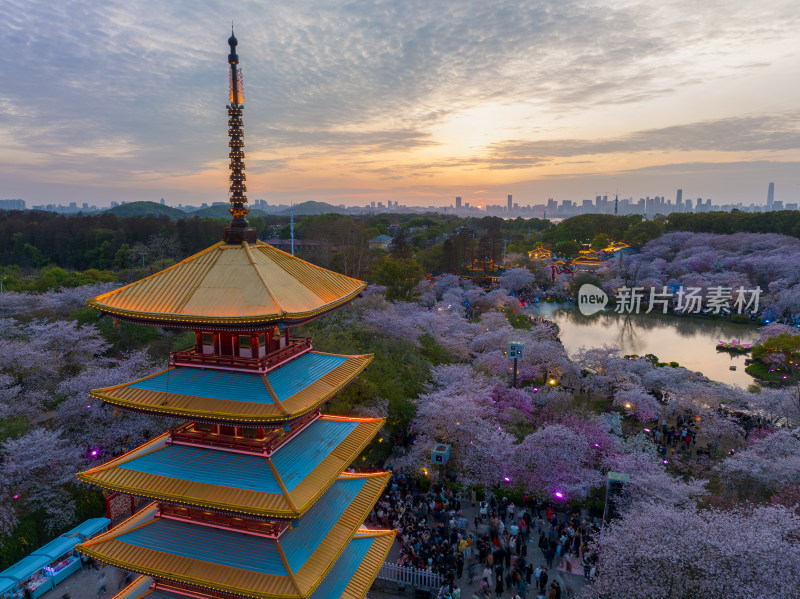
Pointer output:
x,y
416,101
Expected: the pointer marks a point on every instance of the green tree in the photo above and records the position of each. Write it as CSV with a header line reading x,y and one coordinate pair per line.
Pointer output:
x,y
567,249
600,241
642,232
399,275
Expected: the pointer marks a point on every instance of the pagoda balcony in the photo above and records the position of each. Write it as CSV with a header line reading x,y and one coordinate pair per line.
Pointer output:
x,y
266,442
272,529
189,356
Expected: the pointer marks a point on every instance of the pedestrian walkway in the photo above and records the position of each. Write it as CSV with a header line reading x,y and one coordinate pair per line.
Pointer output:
x,y
88,584
571,582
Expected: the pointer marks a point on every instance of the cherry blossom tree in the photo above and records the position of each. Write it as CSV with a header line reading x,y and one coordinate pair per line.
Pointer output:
x,y
766,464
50,304
637,401
93,426
516,279
36,466
554,459
650,482
456,412
662,552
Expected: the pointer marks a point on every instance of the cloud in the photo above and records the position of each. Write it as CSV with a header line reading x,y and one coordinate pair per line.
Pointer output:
x,y
772,132
108,89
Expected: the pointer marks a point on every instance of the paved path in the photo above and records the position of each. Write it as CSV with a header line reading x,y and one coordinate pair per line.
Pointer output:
x,y
570,583
85,584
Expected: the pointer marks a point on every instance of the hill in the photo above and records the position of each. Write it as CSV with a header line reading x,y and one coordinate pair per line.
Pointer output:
x,y
220,212
314,208
147,209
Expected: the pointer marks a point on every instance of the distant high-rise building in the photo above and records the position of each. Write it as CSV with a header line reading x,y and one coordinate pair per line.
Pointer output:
x,y
509,203
770,196
458,202
12,204
679,198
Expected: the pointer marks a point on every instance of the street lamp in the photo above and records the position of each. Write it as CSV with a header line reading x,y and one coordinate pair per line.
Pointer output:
x,y
516,350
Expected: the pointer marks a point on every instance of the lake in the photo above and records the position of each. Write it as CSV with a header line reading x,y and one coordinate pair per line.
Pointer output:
x,y
689,341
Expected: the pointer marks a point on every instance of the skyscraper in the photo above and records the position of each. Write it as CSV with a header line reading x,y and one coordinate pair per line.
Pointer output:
x,y
770,196
679,199
509,203
458,202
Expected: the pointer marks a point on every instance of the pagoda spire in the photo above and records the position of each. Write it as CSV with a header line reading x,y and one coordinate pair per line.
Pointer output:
x,y
239,229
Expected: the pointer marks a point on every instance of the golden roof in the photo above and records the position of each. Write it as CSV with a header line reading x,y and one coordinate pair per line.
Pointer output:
x,y
242,285
615,246
182,405
113,548
360,581
292,503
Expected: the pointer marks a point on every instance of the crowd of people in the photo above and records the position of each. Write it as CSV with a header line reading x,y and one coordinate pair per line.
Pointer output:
x,y
490,552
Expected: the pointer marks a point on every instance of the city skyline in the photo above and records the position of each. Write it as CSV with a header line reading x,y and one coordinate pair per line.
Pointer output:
x,y
349,103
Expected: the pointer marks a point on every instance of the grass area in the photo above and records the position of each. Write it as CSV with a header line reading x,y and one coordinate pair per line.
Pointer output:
x,y
13,428
762,372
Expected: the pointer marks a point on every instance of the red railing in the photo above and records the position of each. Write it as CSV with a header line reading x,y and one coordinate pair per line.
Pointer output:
x,y
190,357
274,437
269,528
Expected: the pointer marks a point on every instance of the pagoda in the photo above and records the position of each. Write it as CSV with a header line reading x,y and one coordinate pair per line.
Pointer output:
x,y
250,497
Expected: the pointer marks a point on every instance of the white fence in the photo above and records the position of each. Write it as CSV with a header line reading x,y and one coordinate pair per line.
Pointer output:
x,y
406,575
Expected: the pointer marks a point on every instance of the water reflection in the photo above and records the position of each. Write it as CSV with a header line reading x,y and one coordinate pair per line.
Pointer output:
x,y
689,341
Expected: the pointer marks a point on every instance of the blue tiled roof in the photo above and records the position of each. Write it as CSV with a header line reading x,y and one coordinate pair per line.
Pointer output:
x,y
298,458
294,461
285,381
301,542
213,384
249,552
208,466
226,547
343,570
301,372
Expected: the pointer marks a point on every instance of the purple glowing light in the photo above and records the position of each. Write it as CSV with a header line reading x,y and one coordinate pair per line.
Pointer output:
x,y
647,430
536,388
597,445
16,496
94,453
666,461
559,494
505,478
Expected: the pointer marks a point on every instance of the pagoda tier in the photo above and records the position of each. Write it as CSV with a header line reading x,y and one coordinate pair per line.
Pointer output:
x,y
291,390
283,483
243,286
290,564
350,577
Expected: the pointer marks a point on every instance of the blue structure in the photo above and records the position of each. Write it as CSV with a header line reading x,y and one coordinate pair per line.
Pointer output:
x,y
47,566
